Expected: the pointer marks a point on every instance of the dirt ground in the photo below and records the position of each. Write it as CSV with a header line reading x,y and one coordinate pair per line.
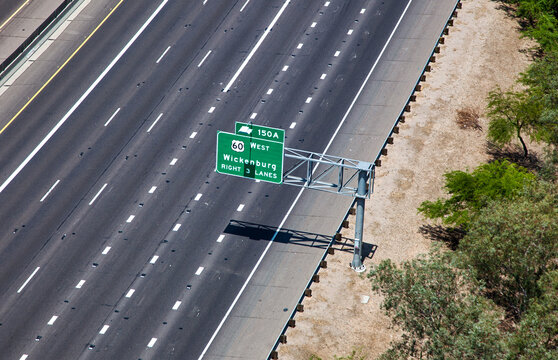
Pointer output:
x,y
483,50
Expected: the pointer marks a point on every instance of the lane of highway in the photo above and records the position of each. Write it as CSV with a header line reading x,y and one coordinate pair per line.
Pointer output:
x,y
135,222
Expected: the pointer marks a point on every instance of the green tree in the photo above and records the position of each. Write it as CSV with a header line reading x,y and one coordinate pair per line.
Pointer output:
x,y
470,192
512,114
542,80
438,308
511,244
537,336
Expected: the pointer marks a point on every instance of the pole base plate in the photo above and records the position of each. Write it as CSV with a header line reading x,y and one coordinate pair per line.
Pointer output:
x,y
359,269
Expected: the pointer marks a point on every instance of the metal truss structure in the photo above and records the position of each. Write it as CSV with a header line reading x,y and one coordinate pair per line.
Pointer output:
x,y
327,173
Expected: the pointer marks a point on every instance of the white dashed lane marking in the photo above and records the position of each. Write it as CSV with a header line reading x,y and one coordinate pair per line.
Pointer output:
x,y
300,45
193,135
240,207
253,116
326,4
293,124
28,279
154,259
211,109
162,55
49,190
205,57
220,238
173,162
23,357
350,32
198,197
80,284
285,68
308,99
107,249
176,305
323,76
104,329
152,190
337,53
52,320
199,271
97,195
130,293
243,6
130,218
313,24
155,122
362,11
112,117
176,227
152,342
269,91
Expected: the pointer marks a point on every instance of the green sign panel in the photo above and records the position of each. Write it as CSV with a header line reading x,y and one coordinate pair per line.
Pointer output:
x,y
260,132
250,157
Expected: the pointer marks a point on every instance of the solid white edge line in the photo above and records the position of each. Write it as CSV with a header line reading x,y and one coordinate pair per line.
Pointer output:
x,y
49,190
250,276
162,55
205,57
155,122
255,48
243,6
112,117
367,77
81,99
97,195
28,279
300,192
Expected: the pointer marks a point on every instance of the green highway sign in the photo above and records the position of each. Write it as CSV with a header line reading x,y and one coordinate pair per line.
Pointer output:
x,y
249,157
260,132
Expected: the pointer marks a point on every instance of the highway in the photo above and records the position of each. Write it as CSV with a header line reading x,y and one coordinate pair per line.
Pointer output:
x,y
112,219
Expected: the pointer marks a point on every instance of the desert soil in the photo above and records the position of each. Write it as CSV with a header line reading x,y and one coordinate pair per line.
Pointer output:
x,y
484,49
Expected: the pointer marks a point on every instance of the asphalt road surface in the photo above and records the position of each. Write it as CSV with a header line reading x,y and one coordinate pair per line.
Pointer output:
x,y
111,214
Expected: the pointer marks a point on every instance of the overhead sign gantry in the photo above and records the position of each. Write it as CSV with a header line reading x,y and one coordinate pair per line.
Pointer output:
x,y
258,152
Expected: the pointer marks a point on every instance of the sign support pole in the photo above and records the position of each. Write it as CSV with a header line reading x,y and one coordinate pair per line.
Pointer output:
x,y
357,264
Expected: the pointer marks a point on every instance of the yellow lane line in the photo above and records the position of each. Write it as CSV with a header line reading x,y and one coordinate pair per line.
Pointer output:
x,y
14,14
61,67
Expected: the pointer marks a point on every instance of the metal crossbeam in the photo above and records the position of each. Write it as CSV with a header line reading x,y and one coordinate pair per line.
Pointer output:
x,y
326,172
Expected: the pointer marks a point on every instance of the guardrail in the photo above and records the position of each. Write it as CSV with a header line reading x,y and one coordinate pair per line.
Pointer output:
x,y
383,151
299,307
34,36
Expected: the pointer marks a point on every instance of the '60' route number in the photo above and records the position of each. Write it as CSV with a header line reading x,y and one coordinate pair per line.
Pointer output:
x,y
237,145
